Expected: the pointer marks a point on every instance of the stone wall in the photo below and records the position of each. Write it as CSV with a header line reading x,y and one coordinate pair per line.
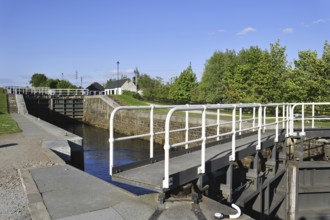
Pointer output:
x,y
97,110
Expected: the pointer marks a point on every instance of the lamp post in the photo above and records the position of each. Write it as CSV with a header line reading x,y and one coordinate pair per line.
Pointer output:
x,y
117,77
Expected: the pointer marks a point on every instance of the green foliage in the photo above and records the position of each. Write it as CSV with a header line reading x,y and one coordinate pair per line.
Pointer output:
x,y
51,83
216,77
132,94
251,75
64,84
153,88
180,90
38,79
128,100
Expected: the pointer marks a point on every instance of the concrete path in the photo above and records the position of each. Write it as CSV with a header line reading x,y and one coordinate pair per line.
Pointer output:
x,y
46,188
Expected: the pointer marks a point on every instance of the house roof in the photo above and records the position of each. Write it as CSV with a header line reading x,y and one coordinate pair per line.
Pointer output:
x,y
95,87
117,83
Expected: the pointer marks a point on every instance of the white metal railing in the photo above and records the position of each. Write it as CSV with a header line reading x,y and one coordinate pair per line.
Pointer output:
x,y
150,134
67,92
305,116
257,124
45,91
260,117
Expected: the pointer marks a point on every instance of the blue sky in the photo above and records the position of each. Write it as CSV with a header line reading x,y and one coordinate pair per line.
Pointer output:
x,y
159,37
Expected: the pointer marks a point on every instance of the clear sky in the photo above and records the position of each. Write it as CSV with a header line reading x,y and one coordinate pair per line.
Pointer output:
x,y
159,37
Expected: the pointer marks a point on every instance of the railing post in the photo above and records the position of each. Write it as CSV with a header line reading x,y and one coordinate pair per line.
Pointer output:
x,y
166,181
233,137
291,119
265,121
187,127
277,127
201,169
287,120
254,118
152,134
218,123
313,114
111,140
240,120
302,120
259,127
283,116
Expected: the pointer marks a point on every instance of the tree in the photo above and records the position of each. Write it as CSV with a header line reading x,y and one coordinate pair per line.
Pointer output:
x,y
326,60
180,90
136,77
278,72
38,79
151,87
51,83
64,84
308,74
214,83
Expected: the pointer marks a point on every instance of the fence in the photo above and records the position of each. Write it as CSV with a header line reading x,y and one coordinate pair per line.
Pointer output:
x,y
255,118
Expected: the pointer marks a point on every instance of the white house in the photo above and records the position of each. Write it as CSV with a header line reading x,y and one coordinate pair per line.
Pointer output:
x,y
118,86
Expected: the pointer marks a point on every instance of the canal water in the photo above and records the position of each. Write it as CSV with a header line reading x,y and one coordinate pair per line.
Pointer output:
x,y
96,152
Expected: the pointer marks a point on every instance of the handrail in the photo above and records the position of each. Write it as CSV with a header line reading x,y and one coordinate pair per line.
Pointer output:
x,y
260,118
303,118
45,91
150,134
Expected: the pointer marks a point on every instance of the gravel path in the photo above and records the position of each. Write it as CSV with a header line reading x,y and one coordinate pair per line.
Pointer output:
x,y
17,152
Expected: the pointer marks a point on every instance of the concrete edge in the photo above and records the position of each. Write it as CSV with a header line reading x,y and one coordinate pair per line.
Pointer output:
x,y
53,156
36,206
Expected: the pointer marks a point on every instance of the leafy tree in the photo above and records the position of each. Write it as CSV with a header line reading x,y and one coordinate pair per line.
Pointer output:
x,y
64,84
136,77
38,79
215,79
309,71
151,87
51,83
251,83
278,72
326,60
108,83
180,90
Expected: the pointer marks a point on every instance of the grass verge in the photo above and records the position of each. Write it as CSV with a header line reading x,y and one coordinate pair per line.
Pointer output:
x,y
7,124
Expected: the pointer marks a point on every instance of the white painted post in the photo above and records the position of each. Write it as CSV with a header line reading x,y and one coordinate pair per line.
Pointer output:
x,y
283,116
111,140
152,134
313,114
302,119
201,169
254,118
264,125
187,127
276,137
218,123
166,181
240,120
291,119
287,121
259,127
233,137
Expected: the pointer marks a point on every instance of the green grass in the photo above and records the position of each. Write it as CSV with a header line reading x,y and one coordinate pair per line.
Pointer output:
x,y
128,100
7,124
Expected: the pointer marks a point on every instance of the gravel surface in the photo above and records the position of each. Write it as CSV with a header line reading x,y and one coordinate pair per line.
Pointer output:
x,y
17,152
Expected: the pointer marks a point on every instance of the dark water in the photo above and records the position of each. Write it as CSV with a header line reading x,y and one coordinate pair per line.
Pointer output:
x,y
96,152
